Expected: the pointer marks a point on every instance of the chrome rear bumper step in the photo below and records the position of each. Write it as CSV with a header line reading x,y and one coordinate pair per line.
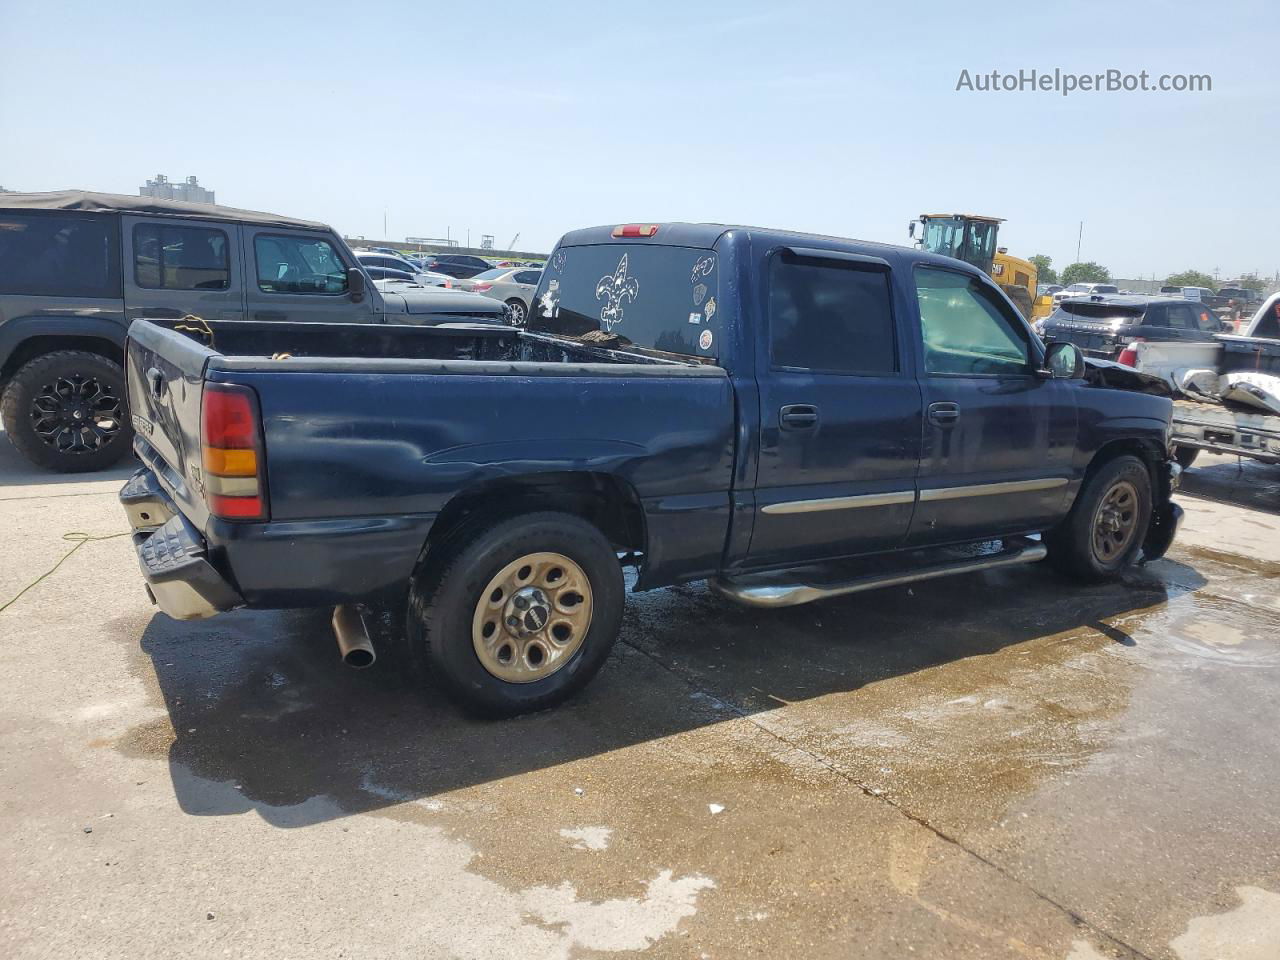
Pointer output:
x,y
791,588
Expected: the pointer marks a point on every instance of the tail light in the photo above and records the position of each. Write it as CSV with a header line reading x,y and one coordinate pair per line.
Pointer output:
x,y
482,287
448,284
1129,355
231,451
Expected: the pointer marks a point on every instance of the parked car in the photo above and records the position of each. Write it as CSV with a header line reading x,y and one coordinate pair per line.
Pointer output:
x,y
460,265
1084,290
514,286
372,261
1106,326
76,268
1048,289
816,399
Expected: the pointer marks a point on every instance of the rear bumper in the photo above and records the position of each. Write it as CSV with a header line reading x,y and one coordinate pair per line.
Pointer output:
x,y
179,577
192,574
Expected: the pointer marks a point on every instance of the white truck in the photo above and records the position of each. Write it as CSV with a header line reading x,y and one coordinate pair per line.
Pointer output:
x,y
1246,367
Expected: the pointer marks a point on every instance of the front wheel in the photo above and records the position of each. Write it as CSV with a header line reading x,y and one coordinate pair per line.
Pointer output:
x,y
1186,456
518,615
65,411
1107,524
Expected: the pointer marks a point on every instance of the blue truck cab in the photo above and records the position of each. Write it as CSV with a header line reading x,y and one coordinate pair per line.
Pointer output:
x,y
789,416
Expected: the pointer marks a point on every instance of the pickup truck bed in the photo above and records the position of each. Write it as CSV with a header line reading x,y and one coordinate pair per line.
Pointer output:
x,y
703,402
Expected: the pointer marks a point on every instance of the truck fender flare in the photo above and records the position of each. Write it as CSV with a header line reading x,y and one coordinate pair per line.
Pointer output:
x,y
17,330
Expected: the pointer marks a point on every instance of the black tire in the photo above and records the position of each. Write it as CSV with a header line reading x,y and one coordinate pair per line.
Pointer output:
x,y
519,312
1072,547
62,380
1186,456
446,592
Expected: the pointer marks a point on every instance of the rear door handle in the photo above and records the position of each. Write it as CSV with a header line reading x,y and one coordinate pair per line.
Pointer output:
x,y
944,414
798,416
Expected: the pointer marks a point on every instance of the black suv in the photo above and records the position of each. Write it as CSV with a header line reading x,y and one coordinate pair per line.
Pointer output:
x,y
459,265
1104,324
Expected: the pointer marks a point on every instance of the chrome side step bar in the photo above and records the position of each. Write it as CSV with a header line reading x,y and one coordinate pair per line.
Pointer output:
x,y
793,588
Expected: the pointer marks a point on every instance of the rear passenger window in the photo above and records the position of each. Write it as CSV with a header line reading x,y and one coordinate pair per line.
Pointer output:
x,y
294,264
71,255
830,316
180,258
528,276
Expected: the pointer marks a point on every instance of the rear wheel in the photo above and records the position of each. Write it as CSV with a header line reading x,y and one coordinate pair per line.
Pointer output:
x,y
66,411
1107,524
517,615
519,312
1185,456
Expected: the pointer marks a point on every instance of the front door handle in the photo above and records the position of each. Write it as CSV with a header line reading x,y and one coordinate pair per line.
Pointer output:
x,y
944,414
798,416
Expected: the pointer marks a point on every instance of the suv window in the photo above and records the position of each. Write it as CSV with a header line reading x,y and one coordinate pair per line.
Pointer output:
x,y
830,315
967,329
59,255
293,264
180,258
632,295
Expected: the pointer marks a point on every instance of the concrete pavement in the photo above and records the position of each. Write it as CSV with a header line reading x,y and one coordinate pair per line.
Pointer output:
x,y
998,765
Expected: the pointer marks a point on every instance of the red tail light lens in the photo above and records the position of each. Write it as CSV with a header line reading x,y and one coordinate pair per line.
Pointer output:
x,y
231,452
1129,355
482,287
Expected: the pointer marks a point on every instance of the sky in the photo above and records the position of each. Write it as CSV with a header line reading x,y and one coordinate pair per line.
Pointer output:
x,y
538,118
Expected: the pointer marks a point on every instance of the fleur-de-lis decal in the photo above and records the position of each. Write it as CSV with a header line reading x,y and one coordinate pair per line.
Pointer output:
x,y
616,288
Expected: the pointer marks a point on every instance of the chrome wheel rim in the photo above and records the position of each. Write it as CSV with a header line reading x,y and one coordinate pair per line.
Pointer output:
x,y
76,414
532,617
1116,522
517,313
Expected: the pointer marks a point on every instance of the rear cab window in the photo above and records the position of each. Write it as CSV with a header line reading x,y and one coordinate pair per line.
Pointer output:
x,y
650,298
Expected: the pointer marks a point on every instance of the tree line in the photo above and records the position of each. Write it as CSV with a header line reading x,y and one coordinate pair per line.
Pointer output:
x,y
1091,272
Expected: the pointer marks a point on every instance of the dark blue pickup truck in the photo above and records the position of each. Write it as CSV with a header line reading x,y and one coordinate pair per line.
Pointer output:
x,y
790,416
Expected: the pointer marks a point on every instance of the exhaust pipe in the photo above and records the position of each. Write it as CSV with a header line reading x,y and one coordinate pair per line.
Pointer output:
x,y
353,637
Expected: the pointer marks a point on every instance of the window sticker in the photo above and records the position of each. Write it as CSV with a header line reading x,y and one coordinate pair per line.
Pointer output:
x,y
699,294
711,309
549,302
703,268
695,318
704,341
614,289
557,262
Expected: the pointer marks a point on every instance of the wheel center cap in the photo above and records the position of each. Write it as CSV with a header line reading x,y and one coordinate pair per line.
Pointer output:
x,y
528,611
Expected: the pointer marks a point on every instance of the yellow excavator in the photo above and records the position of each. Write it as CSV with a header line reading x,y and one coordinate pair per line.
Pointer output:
x,y
972,238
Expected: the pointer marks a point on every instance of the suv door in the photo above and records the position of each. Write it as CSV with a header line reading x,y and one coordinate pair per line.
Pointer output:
x,y
839,412
301,276
176,267
998,437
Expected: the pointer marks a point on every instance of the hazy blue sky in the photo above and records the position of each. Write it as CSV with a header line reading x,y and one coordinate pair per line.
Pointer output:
x,y
539,117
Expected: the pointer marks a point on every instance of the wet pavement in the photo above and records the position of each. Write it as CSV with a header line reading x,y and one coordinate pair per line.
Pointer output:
x,y
996,765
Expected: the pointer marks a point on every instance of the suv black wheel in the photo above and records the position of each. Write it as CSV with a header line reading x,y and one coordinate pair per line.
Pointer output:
x,y
1186,456
1107,524
517,615
66,411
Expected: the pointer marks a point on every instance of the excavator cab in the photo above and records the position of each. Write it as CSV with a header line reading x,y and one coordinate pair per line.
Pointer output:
x,y
963,236
973,239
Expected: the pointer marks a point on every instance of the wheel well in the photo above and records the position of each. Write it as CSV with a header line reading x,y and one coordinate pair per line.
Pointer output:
x,y
34,347
603,500
1145,450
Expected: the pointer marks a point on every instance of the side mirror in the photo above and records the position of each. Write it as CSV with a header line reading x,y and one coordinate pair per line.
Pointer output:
x,y
911,230
356,284
1064,361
